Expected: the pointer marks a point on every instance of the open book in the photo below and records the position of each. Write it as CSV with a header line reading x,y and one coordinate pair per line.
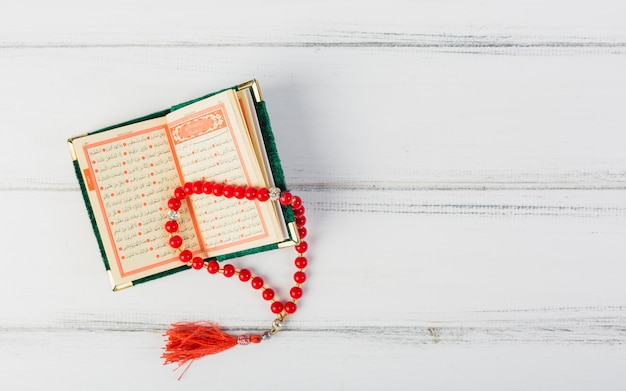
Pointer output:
x,y
128,172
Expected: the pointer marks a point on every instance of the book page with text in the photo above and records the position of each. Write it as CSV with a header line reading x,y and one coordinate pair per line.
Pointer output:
x,y
130,174
211,143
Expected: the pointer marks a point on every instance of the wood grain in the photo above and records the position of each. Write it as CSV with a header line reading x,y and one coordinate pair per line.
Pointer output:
x,y
462,165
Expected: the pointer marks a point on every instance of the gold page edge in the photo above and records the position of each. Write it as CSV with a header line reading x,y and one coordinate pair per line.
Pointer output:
x,y
293,231
118,287
254,86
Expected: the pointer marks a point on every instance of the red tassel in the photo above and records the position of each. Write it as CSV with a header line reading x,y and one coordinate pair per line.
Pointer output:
x,y
190,341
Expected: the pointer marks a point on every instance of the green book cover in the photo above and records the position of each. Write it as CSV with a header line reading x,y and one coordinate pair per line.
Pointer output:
x,y
128,172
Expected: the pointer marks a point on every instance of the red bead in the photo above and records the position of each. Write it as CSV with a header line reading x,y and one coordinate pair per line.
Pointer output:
x,y
301,262
188,188
171,226
302,247
296,292
185,256
173,203
285,198
244,275
197,263
256,338
296,202
239,192
213,267
250,193
300,221
298,212
268,294
229,270
299,277
176,241
228,191
179,193
302,232
290,307
207,187
257,282
197,187
262,194
277,307
218,189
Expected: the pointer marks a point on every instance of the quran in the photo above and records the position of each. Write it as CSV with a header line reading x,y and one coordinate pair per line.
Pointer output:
x,y
127,173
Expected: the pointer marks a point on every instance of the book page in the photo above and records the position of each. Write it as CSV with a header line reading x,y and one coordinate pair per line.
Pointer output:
x,y
211,143
252,121
130,174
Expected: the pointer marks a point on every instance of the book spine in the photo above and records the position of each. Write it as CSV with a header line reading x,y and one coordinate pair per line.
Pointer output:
x,y
272,154
92,219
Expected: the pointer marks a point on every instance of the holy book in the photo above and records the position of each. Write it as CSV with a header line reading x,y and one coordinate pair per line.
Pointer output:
x,y
127,174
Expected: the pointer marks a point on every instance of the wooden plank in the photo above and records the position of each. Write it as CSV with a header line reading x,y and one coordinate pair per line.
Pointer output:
x,y
461,24
310,361
462,164
600,325
367,269
441,118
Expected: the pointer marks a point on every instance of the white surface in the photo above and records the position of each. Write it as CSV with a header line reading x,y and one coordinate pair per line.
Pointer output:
x,y
462,164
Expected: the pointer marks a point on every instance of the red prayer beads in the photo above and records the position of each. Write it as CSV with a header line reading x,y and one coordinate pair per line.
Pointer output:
x,y
262,194
171,226
179,193
185,256
197,187
301,262
207,188
173,204
277,307
197,263
290,307
244,275
299,277
257,282
285,198
228,270
296,202
228,191
239,192
268,293
296,292
213,267
218,189
176,241
250,193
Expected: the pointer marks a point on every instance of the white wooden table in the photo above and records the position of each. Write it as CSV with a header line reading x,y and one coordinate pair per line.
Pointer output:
x,y
463,165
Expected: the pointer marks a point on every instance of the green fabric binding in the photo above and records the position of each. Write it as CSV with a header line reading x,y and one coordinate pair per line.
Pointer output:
x,y
275,166
92,218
